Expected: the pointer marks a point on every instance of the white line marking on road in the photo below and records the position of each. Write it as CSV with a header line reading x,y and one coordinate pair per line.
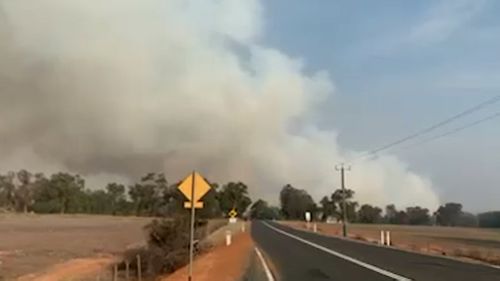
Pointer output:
x,y
342,256
269,275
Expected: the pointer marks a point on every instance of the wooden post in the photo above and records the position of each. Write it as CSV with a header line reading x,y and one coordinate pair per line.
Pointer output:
x,y
139,272
127,273
115,272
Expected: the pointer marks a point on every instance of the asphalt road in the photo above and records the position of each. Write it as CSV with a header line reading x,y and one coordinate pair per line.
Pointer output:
x,y
298,255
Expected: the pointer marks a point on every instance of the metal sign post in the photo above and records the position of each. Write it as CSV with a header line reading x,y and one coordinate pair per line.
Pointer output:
x,y
193,187
191,236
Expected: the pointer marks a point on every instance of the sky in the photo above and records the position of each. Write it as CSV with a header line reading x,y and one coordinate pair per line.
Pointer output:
x,y
398,67
265,92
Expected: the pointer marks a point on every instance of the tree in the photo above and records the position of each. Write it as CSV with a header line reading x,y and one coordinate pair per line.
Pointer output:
x,y
449,214
467,220
45,197
146,195
369,214
173,201
63,193
418,216
352,213
65,187
262,211
338,197
116,194
211,204
401,218
234,195
7,191
24,191
489,219
390,214
98,202
295,202
328,208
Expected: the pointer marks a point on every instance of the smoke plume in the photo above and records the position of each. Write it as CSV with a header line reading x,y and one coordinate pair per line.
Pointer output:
x,y
113,89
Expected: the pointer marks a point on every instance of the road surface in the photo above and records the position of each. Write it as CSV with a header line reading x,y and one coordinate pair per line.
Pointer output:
x,y
302,256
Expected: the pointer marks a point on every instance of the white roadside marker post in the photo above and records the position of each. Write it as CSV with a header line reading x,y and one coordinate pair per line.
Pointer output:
x,y
315,227
388,238
308,220
228,238
382,237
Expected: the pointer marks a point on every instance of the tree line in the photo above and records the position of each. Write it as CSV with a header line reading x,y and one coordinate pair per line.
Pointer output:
x,y
295,202
152,195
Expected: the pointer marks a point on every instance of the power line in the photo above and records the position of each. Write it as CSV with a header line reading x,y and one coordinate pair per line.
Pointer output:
x,y
434,126
455,130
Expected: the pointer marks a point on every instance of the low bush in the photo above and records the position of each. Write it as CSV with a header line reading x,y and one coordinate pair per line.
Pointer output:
x,y
167,246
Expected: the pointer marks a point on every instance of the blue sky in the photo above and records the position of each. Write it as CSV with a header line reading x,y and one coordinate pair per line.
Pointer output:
x,y
399,66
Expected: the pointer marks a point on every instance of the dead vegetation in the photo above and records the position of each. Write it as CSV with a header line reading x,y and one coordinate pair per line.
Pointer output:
x,y
167,246
475,254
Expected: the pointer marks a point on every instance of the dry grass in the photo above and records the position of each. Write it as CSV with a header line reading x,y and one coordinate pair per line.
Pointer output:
x,y
471,243
30,243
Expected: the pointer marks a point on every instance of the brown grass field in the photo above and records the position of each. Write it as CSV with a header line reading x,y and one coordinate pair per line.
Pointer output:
x,y
33,243
473,244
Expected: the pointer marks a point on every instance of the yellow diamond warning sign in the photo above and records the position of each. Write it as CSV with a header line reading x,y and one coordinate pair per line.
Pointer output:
x,y
194,187
233,213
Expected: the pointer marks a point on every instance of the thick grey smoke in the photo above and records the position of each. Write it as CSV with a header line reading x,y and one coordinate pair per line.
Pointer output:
x,y
114,89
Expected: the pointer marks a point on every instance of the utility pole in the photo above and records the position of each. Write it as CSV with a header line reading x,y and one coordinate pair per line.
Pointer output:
x,y
342,170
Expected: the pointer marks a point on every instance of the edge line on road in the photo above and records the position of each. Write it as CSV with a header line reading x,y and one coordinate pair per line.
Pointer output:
x,y
269,274
342,256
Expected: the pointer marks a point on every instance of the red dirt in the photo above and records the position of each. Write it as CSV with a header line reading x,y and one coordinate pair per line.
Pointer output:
x,y
70,269
221,264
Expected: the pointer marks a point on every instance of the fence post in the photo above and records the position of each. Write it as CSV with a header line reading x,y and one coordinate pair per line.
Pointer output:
x,y
127,273
139,272
115,272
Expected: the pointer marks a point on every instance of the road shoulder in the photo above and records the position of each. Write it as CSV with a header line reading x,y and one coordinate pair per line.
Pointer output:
x,y
222,263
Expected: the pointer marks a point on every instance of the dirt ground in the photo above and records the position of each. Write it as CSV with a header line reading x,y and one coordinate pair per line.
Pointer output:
x,y
220,264
66,270
471,243
34,243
